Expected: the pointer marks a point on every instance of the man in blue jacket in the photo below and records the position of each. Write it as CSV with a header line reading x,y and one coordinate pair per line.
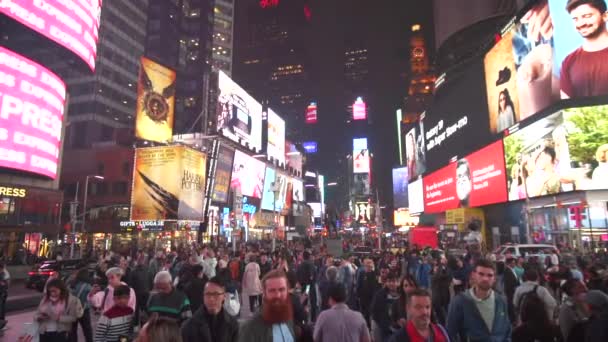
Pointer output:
x,y
479,314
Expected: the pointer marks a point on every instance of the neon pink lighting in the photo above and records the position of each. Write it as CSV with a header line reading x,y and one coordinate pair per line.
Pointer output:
x,y
31,115
269,3
359,110
73,24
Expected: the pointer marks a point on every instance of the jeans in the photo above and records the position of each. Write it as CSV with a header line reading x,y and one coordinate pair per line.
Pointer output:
x,y
87,329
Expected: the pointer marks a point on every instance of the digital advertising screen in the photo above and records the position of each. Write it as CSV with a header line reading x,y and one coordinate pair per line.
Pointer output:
x,y
223,171
31,115
361,162
158,197
239,115
359,109
363,212
293,157
562,152
316,209
71,24
415,197
456,123
415,150
475,180
311,113
310,146
400,180
298,190
279,182
555,50
154,113
402,218
361,184
248,175
268,195
276,137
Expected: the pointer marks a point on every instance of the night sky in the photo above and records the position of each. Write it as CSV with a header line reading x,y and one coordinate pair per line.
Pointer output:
x,y
382,27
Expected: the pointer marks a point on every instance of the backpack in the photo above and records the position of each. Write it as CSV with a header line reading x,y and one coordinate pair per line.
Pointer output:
x,y
530,298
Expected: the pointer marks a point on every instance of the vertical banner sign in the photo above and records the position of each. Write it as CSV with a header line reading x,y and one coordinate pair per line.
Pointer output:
x,y
360,156
237,204
311,113
157,196
155,102
223,172
359,109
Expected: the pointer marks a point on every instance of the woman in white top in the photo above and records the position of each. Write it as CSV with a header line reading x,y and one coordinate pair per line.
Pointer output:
x,y
506,111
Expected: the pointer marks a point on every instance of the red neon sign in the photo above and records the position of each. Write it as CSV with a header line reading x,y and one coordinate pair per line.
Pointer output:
x,y
359,110
269,3
311,113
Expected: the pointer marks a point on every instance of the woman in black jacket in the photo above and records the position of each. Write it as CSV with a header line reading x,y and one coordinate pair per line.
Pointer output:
x,y
406,285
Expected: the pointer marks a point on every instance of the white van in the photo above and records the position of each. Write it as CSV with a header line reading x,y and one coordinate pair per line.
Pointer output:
x,y
526,250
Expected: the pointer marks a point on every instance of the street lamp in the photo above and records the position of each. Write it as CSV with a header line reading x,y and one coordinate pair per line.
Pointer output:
x,y
86,193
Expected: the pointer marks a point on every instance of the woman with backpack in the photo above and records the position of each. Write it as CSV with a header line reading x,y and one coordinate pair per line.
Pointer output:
x,y
573,313
535,325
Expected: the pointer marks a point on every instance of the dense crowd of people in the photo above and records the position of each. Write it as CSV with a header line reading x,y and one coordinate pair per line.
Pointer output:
x,y
301,293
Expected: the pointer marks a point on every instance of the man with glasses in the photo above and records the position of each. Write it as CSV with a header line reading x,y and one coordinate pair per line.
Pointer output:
x,y
211,323
464,185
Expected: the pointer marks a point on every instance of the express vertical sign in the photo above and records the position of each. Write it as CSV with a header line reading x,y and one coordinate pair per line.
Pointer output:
x,y
475,180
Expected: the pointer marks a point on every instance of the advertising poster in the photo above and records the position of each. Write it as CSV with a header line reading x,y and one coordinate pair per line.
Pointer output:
x,y
158,197
294,158
298,190
415,197
475,180
562,152
359,109
400,180
363,212
456,115
154,113
361,162
71,24
361,184
268,195
223,171
248,175
403,218
31,115
276,137
239,115
581,40
415,148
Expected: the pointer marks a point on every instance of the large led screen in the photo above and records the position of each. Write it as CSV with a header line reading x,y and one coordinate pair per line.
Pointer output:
x,y
71,24
239,115
456,123
155,108
415,196
223,171
564,151
276,137
248,175
269,187
298,190
475,180
400,180
361,162
31,115
155,196
554,50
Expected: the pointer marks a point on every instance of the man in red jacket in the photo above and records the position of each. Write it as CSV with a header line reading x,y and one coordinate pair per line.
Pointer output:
x,y
419,327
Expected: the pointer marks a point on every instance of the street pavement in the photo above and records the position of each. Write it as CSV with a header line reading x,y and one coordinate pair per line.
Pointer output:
x,y
20,297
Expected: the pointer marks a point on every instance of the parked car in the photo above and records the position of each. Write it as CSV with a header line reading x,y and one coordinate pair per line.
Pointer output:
x,y
39,275
526,250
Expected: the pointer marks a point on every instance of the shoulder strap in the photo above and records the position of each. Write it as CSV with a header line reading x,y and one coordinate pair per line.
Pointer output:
x,y
443,331
105,296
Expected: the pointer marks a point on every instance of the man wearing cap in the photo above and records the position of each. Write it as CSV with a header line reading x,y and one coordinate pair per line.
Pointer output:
x,y
597,329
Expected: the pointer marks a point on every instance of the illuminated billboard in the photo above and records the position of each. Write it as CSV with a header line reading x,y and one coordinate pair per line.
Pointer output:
x,y
154,113
31,115
248,175
363,212
311,113
475,180
361,162
361,184
310,146
298,190
400,180
279,182
402,218
550,53
239,115
562,152
276,137
294,158
359,109
223,171
415,197
71,24
158,197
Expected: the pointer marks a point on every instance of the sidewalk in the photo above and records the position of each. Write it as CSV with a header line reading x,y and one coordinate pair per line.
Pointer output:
x,y
20,297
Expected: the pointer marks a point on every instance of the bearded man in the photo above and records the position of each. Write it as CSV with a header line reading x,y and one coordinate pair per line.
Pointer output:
x,y
275,321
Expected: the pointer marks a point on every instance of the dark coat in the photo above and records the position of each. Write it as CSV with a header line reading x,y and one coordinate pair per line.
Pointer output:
x,y
367,285
510,284
256,330
198,328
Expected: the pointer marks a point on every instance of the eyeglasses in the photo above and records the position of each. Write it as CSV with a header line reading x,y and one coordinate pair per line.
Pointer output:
x,y
214,294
